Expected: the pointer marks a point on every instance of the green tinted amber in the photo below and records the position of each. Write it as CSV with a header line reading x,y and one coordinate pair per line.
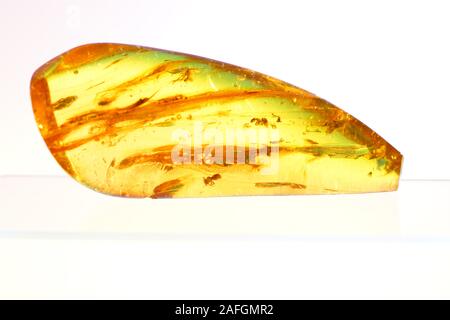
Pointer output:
x,y
142,122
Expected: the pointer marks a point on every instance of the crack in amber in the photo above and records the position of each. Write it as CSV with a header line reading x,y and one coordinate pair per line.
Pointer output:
x,y
108,113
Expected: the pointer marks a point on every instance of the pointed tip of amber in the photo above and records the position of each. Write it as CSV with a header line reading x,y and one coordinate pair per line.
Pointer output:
x,y
114,115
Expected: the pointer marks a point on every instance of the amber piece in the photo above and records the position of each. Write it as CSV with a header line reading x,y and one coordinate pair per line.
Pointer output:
x,y
142,122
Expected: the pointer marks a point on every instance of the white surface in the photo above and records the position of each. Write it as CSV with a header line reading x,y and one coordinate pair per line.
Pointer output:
x,y
385,62
60,207
61,240
74,268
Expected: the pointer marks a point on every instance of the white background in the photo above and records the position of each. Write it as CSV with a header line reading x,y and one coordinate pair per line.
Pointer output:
x,y
385,62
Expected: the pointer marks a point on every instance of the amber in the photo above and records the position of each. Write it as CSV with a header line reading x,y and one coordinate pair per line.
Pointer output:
x,y
142,122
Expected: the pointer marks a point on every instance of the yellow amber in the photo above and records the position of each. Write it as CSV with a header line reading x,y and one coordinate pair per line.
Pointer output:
x,y
141,122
